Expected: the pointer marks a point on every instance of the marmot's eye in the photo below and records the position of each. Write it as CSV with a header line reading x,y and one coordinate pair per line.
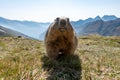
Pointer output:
x,y
68,19
57,19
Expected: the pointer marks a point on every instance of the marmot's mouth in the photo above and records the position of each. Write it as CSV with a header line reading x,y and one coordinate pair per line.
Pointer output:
x,y
62,29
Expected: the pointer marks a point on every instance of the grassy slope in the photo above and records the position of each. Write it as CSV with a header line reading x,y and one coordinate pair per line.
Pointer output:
x,y
96,58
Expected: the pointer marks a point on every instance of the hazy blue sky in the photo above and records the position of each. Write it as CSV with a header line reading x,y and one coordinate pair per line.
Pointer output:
x,y
48,10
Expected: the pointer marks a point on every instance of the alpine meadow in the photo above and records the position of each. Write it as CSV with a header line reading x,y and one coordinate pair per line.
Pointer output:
x,y
96,58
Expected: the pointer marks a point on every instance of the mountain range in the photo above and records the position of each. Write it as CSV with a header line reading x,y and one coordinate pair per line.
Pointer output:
x,y
30,28
80,24
108,25
104,28
5,32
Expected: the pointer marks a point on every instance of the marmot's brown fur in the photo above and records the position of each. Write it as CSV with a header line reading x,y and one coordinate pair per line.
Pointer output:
x,y
60,38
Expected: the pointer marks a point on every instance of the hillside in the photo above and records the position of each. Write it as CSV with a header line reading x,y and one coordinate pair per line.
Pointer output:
x,y
108,28
80,24
96,58
8,32
30,28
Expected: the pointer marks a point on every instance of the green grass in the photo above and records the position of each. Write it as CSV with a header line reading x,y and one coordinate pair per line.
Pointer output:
x,y
96,58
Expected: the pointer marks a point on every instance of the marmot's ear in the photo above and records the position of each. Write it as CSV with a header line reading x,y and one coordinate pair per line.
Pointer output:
x,y
57,19
68,19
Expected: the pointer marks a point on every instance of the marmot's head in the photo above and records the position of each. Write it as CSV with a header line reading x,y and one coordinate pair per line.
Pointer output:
x,y
62,23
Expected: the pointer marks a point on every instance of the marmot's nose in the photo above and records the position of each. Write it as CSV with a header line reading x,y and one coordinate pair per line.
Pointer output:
x,y
63,22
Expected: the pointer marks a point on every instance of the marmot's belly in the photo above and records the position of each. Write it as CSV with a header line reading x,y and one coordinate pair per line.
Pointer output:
x,y
62,42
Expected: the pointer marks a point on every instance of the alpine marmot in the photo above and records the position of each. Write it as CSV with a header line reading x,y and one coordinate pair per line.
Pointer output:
x,y
60,38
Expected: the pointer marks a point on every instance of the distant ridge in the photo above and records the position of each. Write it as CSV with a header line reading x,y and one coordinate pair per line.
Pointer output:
x,y
108,17
30,28
104,28
88,26
8,32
